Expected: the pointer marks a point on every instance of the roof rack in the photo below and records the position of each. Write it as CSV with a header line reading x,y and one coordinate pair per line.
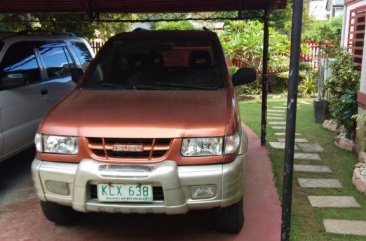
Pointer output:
x,y
44,32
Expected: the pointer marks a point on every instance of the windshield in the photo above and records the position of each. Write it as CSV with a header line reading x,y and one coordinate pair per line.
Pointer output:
x,y
157,64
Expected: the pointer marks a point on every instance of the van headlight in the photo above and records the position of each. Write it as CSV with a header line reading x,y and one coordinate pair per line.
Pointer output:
x,y
202,146
56,144
214,146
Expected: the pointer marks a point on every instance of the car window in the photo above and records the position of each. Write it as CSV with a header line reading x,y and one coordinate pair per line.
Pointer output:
x,y
82,53
1,45
19,65
55,60
157,64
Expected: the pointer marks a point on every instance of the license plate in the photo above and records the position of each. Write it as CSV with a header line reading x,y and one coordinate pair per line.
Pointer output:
x,y
125,193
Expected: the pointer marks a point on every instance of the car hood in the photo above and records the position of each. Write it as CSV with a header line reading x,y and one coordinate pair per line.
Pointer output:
x,y
139,114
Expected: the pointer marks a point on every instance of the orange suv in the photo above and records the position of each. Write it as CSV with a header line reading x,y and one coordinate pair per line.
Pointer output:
x,y
153,127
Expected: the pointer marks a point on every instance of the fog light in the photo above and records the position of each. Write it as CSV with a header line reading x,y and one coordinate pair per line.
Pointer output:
x,y
61,188
203,192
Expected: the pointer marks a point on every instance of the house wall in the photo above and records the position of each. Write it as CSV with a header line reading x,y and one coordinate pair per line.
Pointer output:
x,y
360,139
317,9
349,6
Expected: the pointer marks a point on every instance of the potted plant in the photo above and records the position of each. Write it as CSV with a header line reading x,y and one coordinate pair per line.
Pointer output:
x,y
321,103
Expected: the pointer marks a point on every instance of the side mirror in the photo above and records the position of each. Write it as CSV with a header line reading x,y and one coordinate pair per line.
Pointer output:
x,y
76,73
12,80
244,76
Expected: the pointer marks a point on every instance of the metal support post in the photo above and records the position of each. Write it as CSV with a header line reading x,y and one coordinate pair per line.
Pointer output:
x,y
291,119
265,76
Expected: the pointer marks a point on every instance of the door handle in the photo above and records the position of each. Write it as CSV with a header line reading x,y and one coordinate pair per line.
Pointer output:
x,y
44,91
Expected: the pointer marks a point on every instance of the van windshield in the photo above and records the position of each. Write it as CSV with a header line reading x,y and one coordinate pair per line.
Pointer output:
x,y
157,64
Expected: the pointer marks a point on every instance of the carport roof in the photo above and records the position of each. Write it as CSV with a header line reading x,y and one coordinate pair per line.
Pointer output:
x,y
134,6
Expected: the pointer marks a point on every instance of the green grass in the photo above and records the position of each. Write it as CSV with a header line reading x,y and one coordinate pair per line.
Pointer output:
x,y
307,222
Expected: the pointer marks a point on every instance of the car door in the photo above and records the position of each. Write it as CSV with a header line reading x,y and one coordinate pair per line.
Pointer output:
x,y
21,104
57,64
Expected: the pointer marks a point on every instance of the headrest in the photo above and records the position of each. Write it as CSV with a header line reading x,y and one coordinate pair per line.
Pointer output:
x,y
137,61
157,60
200,58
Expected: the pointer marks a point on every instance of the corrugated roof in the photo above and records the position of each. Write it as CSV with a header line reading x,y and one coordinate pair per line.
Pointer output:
x,y
134,6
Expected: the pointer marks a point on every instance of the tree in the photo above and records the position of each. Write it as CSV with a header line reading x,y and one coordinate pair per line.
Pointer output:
x,y
324,31
243,41
281,19
180,25
79,24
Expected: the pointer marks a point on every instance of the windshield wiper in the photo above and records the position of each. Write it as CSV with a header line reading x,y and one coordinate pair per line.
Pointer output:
x,y
170,85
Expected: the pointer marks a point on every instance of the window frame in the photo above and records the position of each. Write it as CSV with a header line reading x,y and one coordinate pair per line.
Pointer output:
x,y
61,44
353,41
34,49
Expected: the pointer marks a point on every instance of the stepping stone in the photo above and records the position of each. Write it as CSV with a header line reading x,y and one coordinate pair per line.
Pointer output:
x,y
279,107
311,168
275,118
278,127
306,156
298,140
274,114
333,202
345,227
284,134
304,102
276,111
279,145
311,147
319,183
277,122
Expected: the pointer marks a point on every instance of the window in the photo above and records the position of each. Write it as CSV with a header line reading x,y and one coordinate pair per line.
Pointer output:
x,y
55,60
19,64
357,34
1,45
154,63
82,53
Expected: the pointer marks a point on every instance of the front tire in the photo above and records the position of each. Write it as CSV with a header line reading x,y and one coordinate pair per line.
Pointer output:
x,y
60,214
230,219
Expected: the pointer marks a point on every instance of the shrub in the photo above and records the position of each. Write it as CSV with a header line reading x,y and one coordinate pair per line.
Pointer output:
x,y
322,31
179,25
343,87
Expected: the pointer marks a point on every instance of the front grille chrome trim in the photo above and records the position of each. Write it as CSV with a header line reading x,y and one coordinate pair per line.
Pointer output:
x,y
153,148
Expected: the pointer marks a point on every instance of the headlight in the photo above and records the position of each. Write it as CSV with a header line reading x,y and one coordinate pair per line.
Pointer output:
x,y
56,144
232,143
210,146
202,146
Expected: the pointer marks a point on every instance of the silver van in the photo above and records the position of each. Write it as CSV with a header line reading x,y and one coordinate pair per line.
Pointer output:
x,y
36,72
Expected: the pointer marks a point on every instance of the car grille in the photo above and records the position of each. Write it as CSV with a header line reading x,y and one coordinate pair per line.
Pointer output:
x,y
158,194
151,148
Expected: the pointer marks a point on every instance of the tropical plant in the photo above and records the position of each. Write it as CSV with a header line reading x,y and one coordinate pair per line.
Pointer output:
x,y
180,25
324,31
343,87
307,86
243,41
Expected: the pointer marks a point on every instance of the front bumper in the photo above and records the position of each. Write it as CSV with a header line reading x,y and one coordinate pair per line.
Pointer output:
x,y
175,182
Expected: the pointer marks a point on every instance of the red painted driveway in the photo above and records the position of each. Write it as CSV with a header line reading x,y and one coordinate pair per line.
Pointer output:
x,y
21,217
